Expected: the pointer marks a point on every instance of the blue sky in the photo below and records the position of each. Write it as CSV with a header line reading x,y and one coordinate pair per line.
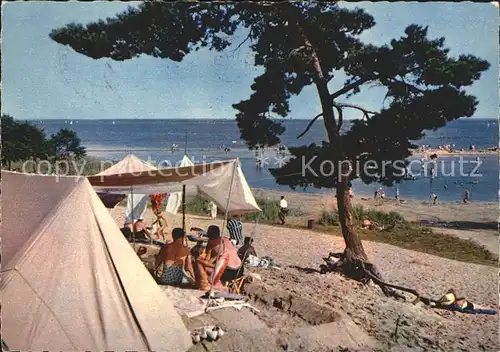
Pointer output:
x,y
42,79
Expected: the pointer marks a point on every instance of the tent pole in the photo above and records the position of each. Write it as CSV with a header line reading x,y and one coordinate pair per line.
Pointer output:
x,y
212,278
132,213
184,208
186,144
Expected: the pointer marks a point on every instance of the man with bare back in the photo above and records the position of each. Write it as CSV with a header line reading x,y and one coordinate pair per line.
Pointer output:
x,y
176,260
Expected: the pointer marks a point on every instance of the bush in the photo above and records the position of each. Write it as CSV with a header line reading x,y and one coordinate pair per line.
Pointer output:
x,y
329,218
391,219
198,205
270,209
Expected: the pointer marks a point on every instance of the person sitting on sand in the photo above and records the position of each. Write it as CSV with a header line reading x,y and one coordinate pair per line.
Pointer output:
x,y
176,260
141,232
229,264
199,259
247,249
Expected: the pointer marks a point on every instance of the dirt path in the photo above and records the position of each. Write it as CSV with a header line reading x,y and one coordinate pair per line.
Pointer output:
x,y
487,238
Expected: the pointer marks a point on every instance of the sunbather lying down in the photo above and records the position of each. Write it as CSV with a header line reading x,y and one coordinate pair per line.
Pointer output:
x,y
450,301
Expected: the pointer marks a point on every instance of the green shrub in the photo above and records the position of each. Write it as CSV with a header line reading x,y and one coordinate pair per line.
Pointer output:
x,y
198,205
329,218
270,209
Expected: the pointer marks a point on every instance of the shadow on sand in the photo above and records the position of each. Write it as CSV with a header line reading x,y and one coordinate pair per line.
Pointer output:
x,y
305,270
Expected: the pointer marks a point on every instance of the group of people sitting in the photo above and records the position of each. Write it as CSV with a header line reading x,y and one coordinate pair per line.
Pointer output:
x,y
217,258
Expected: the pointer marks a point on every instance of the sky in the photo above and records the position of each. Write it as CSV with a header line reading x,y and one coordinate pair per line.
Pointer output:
x,y
45,80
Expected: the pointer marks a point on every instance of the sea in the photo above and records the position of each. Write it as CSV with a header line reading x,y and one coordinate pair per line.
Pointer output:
x,y
164,141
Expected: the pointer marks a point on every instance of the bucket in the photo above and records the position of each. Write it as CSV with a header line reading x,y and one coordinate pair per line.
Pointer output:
x,y
310,223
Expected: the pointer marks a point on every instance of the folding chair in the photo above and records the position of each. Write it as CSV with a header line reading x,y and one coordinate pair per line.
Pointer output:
x,y
235,285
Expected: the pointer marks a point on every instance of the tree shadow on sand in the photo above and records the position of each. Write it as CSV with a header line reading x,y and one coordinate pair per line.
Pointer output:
x,y
305,270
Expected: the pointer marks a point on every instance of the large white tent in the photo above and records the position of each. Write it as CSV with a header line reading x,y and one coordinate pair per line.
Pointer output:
x,y
215,180
136,202
70,280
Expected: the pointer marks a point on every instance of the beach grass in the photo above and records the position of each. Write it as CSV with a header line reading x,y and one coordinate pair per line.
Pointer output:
x,y
387,219
416,238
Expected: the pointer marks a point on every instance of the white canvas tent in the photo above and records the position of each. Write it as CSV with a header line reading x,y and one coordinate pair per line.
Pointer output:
x,y
212,180
136,202
70,280
175,198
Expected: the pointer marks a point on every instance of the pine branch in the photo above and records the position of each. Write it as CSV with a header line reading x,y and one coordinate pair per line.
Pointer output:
x,y
341,115
309,125
363,110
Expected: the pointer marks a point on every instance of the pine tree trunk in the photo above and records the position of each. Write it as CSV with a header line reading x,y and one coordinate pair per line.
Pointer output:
x,y
354,247
354,251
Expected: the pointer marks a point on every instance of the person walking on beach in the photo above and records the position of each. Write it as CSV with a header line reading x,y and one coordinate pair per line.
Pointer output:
x,y
213,210
283,210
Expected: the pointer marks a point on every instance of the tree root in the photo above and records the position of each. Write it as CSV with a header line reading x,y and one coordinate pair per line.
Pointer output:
x,y
364,271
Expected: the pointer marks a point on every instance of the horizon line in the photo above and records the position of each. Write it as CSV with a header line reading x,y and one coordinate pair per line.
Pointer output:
x,y
201,118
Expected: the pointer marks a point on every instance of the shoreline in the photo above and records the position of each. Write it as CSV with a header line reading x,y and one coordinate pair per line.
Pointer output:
x,y
416,210
440,152
414,152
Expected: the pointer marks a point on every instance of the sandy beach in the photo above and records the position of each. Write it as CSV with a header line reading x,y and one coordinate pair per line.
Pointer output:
x,y
299,253
477,221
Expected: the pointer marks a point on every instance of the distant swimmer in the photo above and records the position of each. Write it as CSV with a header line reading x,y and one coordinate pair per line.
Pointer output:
x,y
466,196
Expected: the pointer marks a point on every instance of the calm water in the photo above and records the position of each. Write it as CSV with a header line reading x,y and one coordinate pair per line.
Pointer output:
x,y
152,140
